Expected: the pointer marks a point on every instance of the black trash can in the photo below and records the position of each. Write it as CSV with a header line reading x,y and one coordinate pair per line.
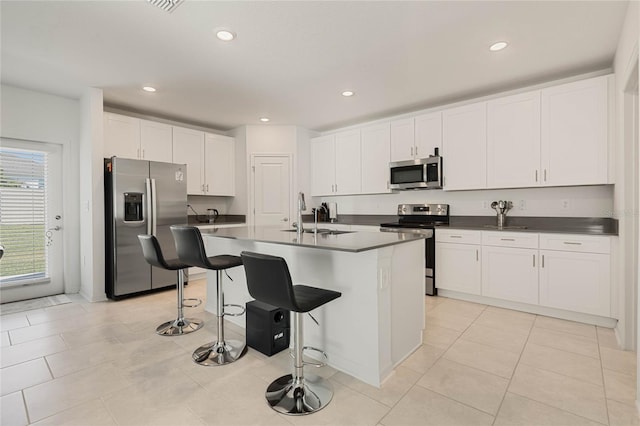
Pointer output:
x,y
267,328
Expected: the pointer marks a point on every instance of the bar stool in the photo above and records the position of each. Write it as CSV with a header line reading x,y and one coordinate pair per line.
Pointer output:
x,y
153,255
191,251
269,281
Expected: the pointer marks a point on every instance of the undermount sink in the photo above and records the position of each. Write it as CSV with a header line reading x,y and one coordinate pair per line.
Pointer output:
x,y
506,227
323,231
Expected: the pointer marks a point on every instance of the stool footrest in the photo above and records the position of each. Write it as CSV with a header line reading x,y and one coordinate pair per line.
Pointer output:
x,y
242,310
312,363
195,304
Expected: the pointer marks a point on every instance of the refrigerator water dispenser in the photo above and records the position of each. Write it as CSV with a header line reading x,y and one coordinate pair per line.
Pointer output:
x,y
133,207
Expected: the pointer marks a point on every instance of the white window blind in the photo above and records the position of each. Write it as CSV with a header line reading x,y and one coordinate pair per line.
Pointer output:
x,y
23,216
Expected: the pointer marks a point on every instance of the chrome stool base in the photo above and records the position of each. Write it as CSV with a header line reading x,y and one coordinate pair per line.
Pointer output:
x,y
179,326
219,353
313,393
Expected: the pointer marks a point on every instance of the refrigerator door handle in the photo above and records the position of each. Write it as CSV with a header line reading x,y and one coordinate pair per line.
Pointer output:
x,y
149,208
154,207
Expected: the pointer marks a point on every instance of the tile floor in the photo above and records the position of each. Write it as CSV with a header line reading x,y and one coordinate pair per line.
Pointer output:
x,y
102,364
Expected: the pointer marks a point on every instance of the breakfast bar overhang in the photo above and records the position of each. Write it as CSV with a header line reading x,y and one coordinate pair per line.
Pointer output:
x,y
379,319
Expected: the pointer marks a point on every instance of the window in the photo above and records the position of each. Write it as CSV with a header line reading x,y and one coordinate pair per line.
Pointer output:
x,y
23,216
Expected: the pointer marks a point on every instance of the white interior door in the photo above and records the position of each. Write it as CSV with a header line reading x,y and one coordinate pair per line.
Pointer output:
x,y
31,223
271,189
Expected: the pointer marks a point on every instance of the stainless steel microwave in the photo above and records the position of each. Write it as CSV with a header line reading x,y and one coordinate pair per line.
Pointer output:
x,y
424,173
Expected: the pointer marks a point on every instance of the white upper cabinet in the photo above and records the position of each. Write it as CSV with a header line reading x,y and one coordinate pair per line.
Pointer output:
x,y
513,141
219,168
375,146
402,139
428,134
575,133
323,165
335,168
464,147
348,175
188,148
156,141
121,136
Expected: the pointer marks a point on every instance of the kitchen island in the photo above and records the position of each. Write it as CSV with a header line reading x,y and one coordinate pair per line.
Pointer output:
x,y
379,319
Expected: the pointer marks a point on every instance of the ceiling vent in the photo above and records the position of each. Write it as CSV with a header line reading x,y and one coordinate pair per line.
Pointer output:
x,y
166,5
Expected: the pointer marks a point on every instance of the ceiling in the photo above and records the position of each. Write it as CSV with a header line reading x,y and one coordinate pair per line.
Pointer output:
x,y
292,59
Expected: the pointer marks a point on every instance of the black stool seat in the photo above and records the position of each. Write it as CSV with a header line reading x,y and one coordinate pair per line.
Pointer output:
x,y
191,250
269,281
153,255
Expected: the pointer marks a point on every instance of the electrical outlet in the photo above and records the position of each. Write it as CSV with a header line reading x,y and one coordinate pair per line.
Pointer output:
x,y
522,205
565,204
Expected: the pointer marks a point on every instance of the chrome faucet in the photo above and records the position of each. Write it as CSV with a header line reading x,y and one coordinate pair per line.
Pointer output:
x,y
301,207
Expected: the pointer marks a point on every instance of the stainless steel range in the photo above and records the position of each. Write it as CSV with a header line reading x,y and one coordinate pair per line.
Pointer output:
x,y
422,218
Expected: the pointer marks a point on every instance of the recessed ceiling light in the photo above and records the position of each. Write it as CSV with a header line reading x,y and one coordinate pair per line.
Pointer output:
x,y
498,46
264,119
348,93
225,35
149,89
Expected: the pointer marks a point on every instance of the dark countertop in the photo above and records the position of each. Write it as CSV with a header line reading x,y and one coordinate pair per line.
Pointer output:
x,y
223,219
560,225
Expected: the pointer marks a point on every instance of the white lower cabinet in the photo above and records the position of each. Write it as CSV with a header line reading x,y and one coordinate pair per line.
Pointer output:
x,y
510,273
575,281
458,267
560,271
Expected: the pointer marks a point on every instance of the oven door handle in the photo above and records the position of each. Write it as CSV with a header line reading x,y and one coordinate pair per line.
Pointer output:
x,y
428,233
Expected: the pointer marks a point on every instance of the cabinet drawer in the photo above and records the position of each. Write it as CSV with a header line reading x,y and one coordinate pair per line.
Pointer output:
x,y
510,239
577,243
458,236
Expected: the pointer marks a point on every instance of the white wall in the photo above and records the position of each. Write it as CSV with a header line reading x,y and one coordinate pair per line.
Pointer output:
x,y
626,188
40,117
92,196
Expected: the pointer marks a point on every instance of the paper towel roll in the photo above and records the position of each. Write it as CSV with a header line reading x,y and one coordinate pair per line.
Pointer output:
x,y
333,211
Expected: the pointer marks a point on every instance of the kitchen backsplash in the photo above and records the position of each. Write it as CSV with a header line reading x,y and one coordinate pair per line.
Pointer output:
x,y
201,203
578,201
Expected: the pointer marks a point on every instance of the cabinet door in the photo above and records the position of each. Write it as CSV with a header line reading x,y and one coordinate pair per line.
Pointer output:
x,y
375,148
156,141
348,171
402,139
323,165
121,136
428,134
513,141
575,133
219,165
510,274
458,267
188,148
575,281
464,147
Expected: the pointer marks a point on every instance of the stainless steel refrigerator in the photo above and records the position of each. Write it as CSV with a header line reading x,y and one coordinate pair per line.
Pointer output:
x,y
141,197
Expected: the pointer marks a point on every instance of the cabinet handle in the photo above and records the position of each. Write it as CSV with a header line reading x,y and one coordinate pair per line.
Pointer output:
x,y
534,260
336,187
536,175
207,187
455,236
572,243
477,255
412,151
138,153
507,239
143,153
416,151
543,260
545,175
